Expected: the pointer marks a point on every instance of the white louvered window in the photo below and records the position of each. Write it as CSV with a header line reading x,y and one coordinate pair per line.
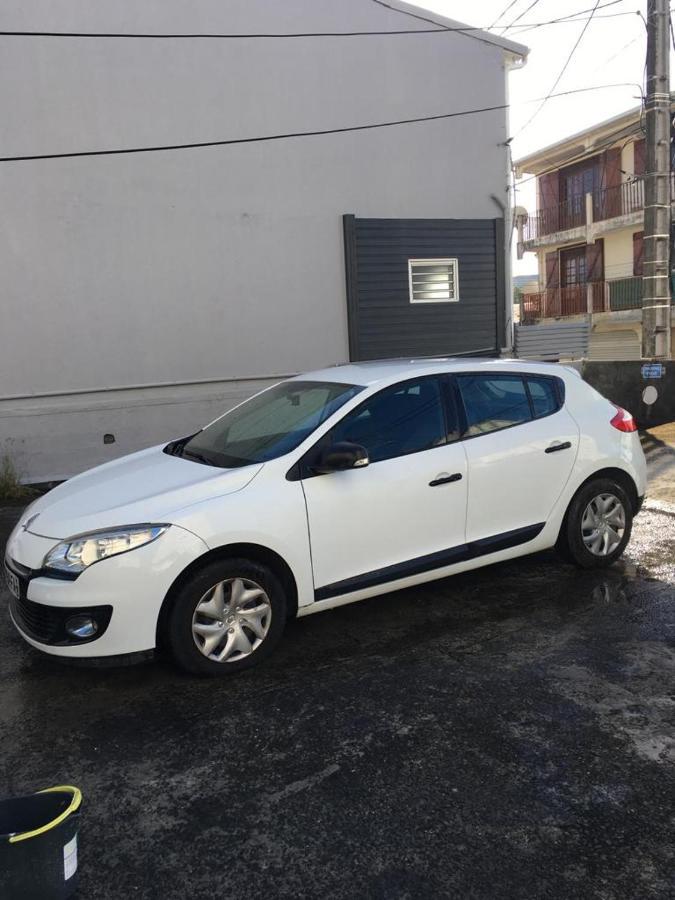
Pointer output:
x,y
433,280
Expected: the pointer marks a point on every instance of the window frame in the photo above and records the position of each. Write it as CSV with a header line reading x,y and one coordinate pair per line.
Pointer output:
x,y
577,255
303,468
558,386
436,261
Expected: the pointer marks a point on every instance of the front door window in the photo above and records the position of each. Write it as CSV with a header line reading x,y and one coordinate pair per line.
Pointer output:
x,y
576,183
573,266
406,418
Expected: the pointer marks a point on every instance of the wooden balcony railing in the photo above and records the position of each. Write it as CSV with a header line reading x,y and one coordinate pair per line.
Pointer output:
x,y
562,217
607,203
619,201
564,301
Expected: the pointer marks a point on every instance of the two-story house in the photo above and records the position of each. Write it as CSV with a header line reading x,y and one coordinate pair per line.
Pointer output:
x,y
587,233
144,293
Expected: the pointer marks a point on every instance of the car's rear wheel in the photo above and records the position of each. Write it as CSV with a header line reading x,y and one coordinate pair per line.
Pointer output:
x,y
597,526
229,616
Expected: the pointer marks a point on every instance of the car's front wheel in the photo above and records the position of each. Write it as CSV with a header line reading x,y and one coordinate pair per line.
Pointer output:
x,y
229,616
598,525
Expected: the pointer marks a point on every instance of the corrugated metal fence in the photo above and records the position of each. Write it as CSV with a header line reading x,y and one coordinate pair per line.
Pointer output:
x,y
559,340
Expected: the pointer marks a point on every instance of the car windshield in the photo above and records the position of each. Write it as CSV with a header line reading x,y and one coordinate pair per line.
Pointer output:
x,y
266,426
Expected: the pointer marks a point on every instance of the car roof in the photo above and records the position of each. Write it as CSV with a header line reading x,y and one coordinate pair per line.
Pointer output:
x,y
387,371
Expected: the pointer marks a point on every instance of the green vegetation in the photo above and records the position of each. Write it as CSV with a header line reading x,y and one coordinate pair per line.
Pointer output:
x,y
11,489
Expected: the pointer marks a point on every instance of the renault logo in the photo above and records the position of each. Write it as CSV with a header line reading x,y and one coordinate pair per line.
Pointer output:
x,y
26,525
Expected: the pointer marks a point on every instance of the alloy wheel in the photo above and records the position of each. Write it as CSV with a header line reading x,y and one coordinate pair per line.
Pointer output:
x,y
231,620
603,524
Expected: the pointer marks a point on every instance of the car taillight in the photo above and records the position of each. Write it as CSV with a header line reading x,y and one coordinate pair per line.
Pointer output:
x,y
623,421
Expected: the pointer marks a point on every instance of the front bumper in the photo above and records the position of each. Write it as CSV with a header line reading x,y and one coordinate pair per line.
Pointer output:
x,y
45,624
123,594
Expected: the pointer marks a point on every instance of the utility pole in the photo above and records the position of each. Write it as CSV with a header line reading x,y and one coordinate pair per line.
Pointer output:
x,y
656,272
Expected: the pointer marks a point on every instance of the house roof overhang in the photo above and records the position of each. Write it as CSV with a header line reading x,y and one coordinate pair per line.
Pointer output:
x,y
583,143
516,53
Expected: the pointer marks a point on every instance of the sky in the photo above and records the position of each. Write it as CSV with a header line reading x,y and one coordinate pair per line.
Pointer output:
x,y
612,50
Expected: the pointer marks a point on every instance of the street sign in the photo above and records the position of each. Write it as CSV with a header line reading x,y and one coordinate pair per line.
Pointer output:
x,y
653,370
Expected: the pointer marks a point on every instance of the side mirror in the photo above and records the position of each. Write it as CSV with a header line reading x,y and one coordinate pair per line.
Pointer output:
x,y
342,456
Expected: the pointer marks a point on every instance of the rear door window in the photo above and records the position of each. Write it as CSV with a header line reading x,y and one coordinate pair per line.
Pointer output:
x,y
493,401
544,394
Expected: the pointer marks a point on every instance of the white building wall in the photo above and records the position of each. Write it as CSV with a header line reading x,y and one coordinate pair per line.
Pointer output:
x,y
186,267
619,253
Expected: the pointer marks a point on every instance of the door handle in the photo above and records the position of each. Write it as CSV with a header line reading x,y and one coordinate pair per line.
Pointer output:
x,y
555,447
445,479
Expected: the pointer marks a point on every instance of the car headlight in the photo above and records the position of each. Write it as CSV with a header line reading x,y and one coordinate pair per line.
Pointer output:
x,y
77,553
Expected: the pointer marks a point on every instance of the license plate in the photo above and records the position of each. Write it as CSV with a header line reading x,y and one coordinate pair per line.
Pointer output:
x,y
12,583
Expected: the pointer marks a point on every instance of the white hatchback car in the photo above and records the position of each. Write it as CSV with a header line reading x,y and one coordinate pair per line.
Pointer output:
x,y
321,490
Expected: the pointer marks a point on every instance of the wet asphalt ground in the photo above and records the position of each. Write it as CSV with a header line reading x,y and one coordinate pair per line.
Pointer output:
x,y
506,733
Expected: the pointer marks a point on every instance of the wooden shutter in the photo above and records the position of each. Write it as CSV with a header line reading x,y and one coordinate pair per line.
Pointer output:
x,y
639,151
638,251
595,261
549,200
612,182
552,270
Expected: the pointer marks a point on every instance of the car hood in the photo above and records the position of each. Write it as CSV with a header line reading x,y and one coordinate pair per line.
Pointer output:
x,y
149,486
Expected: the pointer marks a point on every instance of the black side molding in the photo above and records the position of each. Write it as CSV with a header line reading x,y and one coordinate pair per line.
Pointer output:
x,y
430,562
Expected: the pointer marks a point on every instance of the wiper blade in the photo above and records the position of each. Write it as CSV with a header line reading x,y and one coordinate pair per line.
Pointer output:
x,y
199,457
175,448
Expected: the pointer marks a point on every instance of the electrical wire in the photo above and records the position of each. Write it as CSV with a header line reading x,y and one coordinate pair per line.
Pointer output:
x,y
412,15
233,37
438,29
598,148
405,12
618,53
577,17
288,135
504,12
562,71
518,18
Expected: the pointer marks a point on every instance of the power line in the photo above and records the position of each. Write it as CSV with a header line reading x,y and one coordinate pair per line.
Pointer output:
x,y
439,29
523,13
504,12
251,36
521,29
412,15
597,148
405,12
562,71
286,136
618,53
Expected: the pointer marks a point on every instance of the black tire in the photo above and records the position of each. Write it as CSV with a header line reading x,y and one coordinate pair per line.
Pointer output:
x,y
571,544
177,634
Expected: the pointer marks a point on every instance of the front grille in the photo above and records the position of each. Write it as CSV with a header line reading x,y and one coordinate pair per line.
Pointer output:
x,y
42,623
47,624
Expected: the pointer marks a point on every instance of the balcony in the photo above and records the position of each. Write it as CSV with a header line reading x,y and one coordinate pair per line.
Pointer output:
x,y
582,210
582,299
